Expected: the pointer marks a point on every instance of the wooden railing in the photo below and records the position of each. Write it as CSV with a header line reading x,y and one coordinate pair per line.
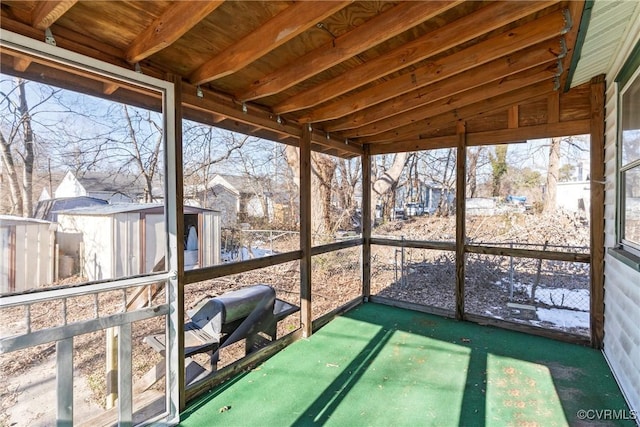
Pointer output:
x,y
63,335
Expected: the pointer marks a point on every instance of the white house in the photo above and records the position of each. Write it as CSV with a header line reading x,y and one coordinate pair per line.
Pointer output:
x,y
574,196
238,198
112,187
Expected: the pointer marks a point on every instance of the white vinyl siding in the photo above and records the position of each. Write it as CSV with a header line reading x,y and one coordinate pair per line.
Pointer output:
x,y
622,283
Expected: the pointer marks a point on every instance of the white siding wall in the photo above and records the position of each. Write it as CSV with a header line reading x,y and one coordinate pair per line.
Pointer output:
x,y
155,236
126,244
33,257
5,259
622,283
210,239
97,239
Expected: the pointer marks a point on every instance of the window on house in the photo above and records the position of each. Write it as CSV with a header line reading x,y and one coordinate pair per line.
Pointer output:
x,y
629,179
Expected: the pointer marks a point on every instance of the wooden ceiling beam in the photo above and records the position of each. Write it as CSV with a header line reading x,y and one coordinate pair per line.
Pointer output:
x,y
495,78
277,31
47,12
489,18
71,40
463,109
500,136
502,52
371,33
523,133
20,64
176,21
79,81
108,88
414,145
216,104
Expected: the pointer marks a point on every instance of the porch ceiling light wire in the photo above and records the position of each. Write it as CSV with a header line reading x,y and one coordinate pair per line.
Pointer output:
x,y
48,37
568,22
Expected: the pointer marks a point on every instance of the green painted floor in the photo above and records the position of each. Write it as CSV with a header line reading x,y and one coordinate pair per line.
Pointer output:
x,y
384,366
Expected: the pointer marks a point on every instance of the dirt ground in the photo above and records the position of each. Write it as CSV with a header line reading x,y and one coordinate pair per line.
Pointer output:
x,y
429,278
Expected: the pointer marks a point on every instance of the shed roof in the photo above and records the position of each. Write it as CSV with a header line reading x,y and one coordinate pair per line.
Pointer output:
x,y
8,220
116,208
48,209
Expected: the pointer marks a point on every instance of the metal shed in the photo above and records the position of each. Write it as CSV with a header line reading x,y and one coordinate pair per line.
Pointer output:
x,y
26,253
128,239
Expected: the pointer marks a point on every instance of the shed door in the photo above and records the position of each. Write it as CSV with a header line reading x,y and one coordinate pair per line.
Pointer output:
x,y
7,264
209,239
154,236
126,244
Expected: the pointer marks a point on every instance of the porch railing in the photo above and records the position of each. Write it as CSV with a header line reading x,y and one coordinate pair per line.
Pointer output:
x,y
63,335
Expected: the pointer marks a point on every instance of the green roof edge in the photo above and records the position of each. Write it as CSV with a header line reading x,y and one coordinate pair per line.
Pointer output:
x,y
582,34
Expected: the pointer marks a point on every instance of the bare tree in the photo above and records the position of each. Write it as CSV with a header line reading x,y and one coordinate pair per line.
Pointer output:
x,y
498,167
206,151
333,185
143,145
386,181
323,169
18,143
348,176
474,155
552,175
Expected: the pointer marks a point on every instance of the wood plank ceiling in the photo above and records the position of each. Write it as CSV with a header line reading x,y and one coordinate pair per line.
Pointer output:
x,y
396,76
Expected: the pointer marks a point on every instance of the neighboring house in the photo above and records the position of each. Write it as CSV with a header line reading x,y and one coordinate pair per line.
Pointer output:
x,y
47,209
128,239
238,198
574,196
114,188
427,194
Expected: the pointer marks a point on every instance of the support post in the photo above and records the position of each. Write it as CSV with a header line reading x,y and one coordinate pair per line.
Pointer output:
x,y
366,223
64,382
461,183
125,375
597,210
305,232
111,336
174,212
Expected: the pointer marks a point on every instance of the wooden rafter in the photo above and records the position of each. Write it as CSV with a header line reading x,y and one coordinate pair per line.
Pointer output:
x,y
449,108
481,76
47,12
380,28
496,78
463,108
277,31
501,136
109,88
165,30
20,64
489,51
440,40
254,117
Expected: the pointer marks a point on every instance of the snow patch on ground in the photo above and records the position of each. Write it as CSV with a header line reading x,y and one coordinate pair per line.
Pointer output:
x,y
244,254
577,299
570,306
563,318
